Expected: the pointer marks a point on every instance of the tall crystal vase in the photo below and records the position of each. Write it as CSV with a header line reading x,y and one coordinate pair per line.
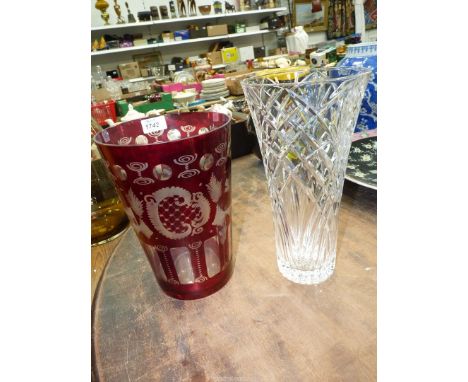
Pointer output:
x,y
304,120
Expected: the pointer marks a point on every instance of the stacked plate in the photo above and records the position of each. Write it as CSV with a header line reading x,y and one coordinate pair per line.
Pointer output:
x,y
214,88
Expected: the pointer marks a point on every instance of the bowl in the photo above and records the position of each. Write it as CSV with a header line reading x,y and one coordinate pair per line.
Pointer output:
x,y
204,9
184,98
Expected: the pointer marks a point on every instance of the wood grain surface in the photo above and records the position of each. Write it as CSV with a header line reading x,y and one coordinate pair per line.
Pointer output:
x,y
100,255
260,326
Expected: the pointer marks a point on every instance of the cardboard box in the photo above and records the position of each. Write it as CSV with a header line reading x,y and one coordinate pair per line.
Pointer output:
x,y
129,71
140,42
183,34
215,58
230,55
252,28
167,36
217,30
148,59
233,81
246,53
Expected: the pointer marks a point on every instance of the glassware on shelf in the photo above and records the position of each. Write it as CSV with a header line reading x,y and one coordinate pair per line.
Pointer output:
x,y
108,219
124,86
304,120
93,83
173,174
113,87
99,77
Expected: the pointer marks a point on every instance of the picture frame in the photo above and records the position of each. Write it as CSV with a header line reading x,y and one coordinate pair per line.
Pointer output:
x,y
303,14
370,14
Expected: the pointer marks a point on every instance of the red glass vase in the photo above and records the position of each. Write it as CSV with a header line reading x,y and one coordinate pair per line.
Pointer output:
x,y
173,176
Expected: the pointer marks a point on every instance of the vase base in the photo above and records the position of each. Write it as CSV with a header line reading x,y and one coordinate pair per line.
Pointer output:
x,y
306,277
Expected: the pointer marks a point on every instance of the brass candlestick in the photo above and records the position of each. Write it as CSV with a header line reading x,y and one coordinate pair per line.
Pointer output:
x,y
102,5
120,19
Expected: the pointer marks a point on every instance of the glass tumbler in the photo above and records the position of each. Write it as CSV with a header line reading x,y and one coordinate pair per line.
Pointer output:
x,y
173,176
304,120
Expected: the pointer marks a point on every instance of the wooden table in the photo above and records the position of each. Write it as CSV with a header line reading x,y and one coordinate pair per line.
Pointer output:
x,y
100,255
260,326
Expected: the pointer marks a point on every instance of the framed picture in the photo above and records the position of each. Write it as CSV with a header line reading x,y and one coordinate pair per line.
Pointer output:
x,y
311,14
370,14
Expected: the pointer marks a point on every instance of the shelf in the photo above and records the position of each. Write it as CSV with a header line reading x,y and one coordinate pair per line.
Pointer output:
x,y
190,18
180,42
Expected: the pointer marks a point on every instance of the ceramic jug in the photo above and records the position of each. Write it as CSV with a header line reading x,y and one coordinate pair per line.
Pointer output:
x,y
365,54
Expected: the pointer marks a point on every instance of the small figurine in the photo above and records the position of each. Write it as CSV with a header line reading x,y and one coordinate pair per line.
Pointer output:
x,y
131,18
181,8
218,7
154,13
163,11
102,5
229,7
95,45
120,20
192,8
172,9
102,43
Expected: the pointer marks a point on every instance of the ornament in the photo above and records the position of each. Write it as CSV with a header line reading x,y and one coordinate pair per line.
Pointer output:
x,y
102,5
120,19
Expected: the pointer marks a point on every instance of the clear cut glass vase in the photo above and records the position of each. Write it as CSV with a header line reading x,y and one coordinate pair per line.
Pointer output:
x,y
304,119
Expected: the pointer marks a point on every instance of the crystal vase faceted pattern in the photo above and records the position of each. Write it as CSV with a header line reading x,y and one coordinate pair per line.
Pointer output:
x,y
304,120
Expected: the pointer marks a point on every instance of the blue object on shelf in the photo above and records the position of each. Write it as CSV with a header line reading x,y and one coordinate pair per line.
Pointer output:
x,y
183,34
365,54
197,102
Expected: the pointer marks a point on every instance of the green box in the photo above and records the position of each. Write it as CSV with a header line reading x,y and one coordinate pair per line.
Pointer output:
x,y
165,103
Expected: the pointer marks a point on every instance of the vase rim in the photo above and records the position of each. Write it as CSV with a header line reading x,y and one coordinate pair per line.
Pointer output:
x,y
99,137
358,72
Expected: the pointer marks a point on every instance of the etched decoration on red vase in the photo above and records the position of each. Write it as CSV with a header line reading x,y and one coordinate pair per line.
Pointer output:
x,y
173,176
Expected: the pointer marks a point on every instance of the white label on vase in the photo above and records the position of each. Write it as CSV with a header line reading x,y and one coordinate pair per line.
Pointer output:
x,y
213,263
183,265
151,125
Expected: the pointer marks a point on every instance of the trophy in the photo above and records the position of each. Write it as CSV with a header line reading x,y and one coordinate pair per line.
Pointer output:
x,y
182,8
154,13
102,5
192,8
131,18
120,20
172,9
